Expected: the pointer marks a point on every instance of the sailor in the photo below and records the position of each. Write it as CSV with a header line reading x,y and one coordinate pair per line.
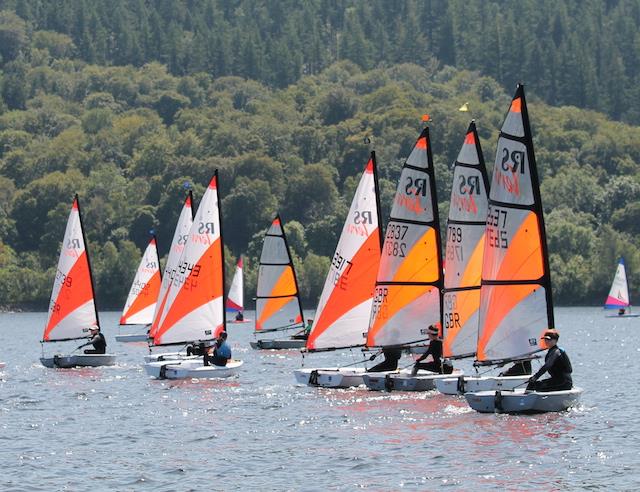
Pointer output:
x,y
435,350
97,340
239,316
621,312
390,363
556,363
520,368
221,351
304,333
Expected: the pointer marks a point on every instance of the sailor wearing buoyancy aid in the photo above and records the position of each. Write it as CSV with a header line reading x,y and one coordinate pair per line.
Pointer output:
x,y
556,363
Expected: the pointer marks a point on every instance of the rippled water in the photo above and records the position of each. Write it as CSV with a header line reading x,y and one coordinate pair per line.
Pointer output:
x,y
113,428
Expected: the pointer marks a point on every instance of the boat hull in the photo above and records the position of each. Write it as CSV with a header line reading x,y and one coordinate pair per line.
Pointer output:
x,y
78,360
143,337
330,377
236,322
164,356
404,380
454,386
621,315
282,344
522,401
191,369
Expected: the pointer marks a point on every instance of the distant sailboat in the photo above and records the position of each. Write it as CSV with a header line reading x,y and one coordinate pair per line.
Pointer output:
x,y
193,309
344,309
278,306
235,297
516,305
72,310
143,295
618,297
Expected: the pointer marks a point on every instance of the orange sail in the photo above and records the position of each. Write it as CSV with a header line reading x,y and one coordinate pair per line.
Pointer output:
x,y
515,299
143,295
409,281
464,250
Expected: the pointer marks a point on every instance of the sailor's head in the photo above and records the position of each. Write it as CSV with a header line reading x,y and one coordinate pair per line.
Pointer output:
x,y
94,329
223,335
550,337
433,332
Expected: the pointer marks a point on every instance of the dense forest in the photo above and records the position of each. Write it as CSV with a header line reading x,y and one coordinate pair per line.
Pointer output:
x,y
128,104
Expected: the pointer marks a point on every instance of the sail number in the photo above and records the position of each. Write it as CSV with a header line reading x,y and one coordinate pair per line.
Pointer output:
x,y
379,307
496,232
186,273
394,245
454,243
340,268
64,279
451,317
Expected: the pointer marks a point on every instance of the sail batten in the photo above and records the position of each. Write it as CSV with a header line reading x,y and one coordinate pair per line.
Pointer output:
x,y
464,249
278,305
409,280
516,304
344,308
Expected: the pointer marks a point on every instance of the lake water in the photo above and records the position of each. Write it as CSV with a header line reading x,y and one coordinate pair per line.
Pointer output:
x,y
115,429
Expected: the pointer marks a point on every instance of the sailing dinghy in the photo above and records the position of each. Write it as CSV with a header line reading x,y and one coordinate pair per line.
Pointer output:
x,y
235,297
72,309
143,295
618,297
516,305
343,312
408,288
278,306
180,236
193,308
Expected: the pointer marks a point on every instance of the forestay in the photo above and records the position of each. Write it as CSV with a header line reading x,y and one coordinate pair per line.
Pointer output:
x,y
235,298
464,249
180,236
194,308
143,295
72,309
619,294
278,304
515,299
409,281
342,316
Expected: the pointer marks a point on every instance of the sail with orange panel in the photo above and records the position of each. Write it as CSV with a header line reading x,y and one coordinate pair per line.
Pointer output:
x,y
194,307
278,305
72,309
408,288
235,297
515,299
464,249
178,242
143,295
342,315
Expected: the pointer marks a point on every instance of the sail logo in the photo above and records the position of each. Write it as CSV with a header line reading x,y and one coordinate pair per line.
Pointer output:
x,y
414,189
182,239
73,248
204,233
360,221
206,228
415,186
512,164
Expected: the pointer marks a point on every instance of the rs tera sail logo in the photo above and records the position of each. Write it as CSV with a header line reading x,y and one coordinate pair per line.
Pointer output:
x,y
512,166
467,187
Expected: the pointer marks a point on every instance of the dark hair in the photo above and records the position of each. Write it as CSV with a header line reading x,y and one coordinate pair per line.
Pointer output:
x,y
223,334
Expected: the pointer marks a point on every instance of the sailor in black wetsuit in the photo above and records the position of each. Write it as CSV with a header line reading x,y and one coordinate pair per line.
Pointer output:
x,y
97,340
520,368
390,362
556,363
435,350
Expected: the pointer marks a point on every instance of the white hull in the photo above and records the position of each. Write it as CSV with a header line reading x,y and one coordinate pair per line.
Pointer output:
x,y
282,344
143,337
621,315
236,322
330,377
521,401
454,386
191,369
163,356
2,364
78,360
404,381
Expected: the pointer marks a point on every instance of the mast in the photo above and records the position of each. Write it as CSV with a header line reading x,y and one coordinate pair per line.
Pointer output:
x,y
409,279
465,246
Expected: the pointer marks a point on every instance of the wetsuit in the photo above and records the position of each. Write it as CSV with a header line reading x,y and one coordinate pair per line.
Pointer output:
x,y
521,368
558,365
99,344
239,316
435,349
390,362
221,355
196,349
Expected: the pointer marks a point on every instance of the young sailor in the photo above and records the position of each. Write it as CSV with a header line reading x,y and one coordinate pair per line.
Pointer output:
x,y
221,351
97,340
435,350
556,363
390,362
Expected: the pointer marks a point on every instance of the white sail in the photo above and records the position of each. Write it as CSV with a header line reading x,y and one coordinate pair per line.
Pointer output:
x,y
619,294
143,295
194,308
72,309
235,298
343,312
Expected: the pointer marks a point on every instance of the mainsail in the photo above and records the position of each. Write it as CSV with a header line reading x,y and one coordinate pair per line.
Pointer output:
x,y
143,295
72,309
407,294
194,308
515,299
619,294
464,250
278,304
180,236
235,298
343,312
